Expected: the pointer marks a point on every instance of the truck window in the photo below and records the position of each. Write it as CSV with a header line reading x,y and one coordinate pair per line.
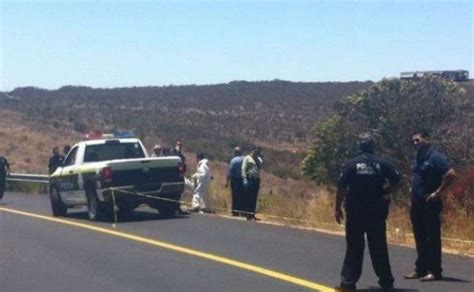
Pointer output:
x,y
71,158
112,151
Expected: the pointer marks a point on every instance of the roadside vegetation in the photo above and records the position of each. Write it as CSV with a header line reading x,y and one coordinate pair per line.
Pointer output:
x,y
279,118
305,204
392,110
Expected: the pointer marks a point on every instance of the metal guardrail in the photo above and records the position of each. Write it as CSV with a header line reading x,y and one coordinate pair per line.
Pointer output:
x,y
23,177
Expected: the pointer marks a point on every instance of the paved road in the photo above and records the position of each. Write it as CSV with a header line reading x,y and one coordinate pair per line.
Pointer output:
x,y
37,254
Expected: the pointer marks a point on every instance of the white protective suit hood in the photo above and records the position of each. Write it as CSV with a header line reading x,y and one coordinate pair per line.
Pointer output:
x,y
203,171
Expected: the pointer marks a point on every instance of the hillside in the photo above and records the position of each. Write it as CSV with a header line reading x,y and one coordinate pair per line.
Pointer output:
x,y
211,118
27,145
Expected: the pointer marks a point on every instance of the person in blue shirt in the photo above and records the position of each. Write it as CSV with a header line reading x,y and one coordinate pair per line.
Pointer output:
x,y
234,176
431,176
364,186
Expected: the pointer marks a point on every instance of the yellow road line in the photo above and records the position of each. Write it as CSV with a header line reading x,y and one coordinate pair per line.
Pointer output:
x,y
184,250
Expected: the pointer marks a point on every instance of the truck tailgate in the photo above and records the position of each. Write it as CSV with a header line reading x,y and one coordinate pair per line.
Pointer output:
x,y
145,171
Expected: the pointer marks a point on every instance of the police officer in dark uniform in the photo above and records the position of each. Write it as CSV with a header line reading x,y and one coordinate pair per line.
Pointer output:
x,y
364,185
431,175
177,151
55,161
4,171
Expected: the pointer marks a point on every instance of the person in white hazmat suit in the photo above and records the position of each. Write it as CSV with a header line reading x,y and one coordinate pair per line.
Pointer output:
x,y
202,179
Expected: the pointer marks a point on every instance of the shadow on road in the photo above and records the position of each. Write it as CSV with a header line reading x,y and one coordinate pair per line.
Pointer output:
x,y
374,289
135,216
451,279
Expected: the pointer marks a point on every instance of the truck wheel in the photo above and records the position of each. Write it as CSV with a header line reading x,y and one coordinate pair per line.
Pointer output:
x,y
126,209
93,211
166,209
96,210
57,206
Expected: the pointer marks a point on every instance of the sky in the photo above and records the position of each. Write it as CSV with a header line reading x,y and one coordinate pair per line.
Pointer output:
x,y
106,44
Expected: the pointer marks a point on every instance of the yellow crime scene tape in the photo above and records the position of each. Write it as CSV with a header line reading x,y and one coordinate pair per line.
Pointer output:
x,y
226,210
145,194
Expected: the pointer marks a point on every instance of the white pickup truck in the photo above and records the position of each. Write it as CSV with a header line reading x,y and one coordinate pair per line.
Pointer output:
x,y
93,169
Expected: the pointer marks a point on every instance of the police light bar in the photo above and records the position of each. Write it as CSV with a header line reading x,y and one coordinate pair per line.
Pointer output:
x,y
122,134
94,136
115,134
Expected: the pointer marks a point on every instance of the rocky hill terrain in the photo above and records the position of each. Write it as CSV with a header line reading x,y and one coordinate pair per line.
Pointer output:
x,y
278,115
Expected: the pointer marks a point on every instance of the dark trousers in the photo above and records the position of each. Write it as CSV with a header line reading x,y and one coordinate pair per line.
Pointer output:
x,y
2,185
236,188
357,225
426,222
250,197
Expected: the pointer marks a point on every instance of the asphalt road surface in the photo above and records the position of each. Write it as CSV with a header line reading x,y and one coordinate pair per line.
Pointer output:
x,y
187,253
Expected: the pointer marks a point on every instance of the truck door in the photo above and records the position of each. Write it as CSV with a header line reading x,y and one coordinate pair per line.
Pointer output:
x,y
68,179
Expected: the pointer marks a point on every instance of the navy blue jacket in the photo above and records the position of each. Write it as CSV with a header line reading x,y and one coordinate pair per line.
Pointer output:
x,y
365,176
428,171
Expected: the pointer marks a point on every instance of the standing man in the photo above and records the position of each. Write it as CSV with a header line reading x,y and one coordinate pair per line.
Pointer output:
x,y
361,187
4,171
55,161
250,172
431,175
177,151
234,176
202,179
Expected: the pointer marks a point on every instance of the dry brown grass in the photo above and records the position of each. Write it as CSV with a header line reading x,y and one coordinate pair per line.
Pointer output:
x,y
457,233
28,146
303,204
